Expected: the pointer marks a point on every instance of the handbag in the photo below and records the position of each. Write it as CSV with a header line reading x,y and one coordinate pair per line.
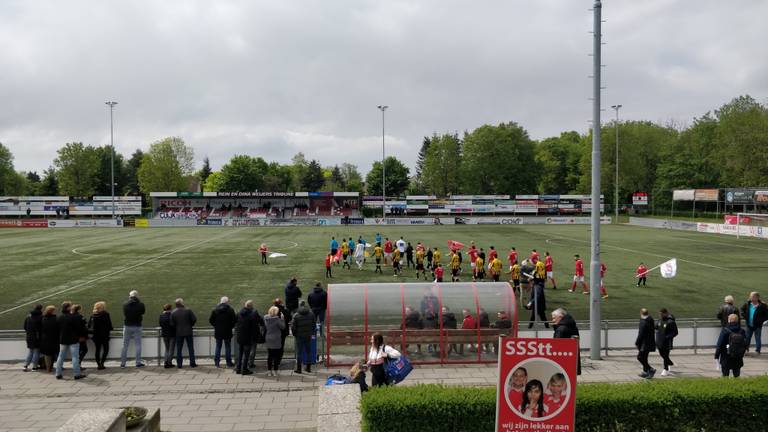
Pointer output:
x,y
397,369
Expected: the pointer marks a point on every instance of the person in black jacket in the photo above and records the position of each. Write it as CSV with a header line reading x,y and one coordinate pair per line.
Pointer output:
x,y
245,328
133,311
292,296
33,327
565,328
168,333
538,305
49,337
69,335
412,322
82,337
100,326
223,320
645,343
318,300
449,323
726,310
731,360
303,328
755,313
666,330
183,320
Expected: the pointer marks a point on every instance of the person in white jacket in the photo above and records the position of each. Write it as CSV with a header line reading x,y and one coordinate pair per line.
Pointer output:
x,y
377,358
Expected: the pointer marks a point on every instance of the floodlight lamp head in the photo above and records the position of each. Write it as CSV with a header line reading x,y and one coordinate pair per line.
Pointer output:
x,y
383,107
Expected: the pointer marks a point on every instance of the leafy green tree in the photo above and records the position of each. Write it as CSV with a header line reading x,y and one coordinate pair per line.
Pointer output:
x,y
558,159
205,171
6,168
353,181
742,140
213,182
338,179
160,169
417,186
243,174
49,186
498,160
104,175
33,183
441,168
313,179
78,169
396,177
299,166
279,178
131,173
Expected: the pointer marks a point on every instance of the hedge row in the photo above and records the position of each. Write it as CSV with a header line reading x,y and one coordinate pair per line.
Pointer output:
x,y
683,405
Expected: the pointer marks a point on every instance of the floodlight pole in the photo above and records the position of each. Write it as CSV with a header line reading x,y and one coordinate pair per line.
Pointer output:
x,y
383,169
594,264
112,150
616,189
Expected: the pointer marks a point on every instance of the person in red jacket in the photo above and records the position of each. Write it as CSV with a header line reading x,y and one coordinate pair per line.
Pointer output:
x,y
328,262
439,273
578,276
642,272
387,250
548,268
469,323
263,250
534,257
512,258
603,291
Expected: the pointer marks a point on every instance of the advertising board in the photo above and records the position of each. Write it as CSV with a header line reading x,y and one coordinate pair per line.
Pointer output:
x,y
537,385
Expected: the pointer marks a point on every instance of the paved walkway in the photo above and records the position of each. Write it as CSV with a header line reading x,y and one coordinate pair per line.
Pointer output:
x,y
211,399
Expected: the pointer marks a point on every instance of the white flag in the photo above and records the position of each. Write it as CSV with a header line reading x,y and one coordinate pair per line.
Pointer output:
x,y
277,255
669,268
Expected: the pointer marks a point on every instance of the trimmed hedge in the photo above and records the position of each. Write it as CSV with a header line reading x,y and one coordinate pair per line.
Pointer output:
x,y
684,405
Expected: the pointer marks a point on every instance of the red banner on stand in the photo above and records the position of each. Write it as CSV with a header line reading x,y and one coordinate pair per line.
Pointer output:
x,y
537,385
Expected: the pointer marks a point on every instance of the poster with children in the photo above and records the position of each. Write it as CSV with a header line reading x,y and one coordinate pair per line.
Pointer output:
x,y
537,385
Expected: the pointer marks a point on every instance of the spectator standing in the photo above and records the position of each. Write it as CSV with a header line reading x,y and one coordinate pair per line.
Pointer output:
x,y
168,333
223,320
183,320
275,324
303,328
100,326
726,310
538,305
283,313
318,302
408,257
133,311
377,357
565,328
645,343
69,331
731,346
33,327
292,296
82,337
666,330
246,329
49,337
258,337
755,312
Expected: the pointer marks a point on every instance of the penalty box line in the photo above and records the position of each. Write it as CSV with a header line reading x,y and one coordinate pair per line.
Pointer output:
x,y
638,251
80,285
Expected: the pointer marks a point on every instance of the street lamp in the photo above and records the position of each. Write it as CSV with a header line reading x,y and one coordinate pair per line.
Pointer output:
x,y
383,170
616,189
112,150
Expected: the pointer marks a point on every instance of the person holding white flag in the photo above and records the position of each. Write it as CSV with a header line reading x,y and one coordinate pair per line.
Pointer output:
x,y
669,269
641,274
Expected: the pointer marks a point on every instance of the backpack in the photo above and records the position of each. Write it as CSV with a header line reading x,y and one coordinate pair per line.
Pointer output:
x,y
737,345
337,380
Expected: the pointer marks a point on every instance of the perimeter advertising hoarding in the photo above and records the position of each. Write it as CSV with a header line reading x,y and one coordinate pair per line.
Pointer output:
x,y
739,196
761,197
706,195
536,390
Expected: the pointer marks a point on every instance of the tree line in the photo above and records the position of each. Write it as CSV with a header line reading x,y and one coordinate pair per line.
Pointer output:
x,y
724,148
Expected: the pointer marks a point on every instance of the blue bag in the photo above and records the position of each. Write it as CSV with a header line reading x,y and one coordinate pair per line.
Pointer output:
x,y
337,380
397,369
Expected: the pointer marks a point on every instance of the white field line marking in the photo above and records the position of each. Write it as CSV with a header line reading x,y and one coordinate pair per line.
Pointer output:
x,y
295,245
118,237
637,251
723,244
167,254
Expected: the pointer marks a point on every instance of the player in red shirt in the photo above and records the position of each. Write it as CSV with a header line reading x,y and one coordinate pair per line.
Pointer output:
x,y
534,257
641,273
328,261
387,250
603,292
578,276
492,254
548,268
512,258
263,250
472,252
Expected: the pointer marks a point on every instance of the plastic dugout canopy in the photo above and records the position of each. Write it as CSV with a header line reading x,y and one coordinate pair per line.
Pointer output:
x,y
356,311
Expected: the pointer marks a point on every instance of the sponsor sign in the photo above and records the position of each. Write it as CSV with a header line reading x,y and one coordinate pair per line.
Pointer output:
x,y
34,223
761,197
640,199
537,385
10,223
410,221
706,194
141,223
683,195
739,196
85,223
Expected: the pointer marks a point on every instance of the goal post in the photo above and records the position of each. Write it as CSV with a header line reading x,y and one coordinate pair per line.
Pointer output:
x,y
751,221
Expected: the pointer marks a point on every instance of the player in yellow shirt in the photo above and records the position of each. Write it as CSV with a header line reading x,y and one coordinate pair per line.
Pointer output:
x,y
396,261
455,267
479,269
345,253
420,264
378,253
435,261
496,266
539,273
514,273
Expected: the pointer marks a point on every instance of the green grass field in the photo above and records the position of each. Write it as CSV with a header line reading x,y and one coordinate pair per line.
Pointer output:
x,y
202,264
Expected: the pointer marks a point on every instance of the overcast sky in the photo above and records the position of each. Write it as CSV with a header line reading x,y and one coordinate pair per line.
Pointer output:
x,y
272,78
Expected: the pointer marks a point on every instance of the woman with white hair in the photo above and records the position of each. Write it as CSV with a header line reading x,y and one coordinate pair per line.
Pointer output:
x,y
726,309
273,339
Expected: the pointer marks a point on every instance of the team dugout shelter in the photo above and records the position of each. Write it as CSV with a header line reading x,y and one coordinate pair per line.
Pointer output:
x,y
431,323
